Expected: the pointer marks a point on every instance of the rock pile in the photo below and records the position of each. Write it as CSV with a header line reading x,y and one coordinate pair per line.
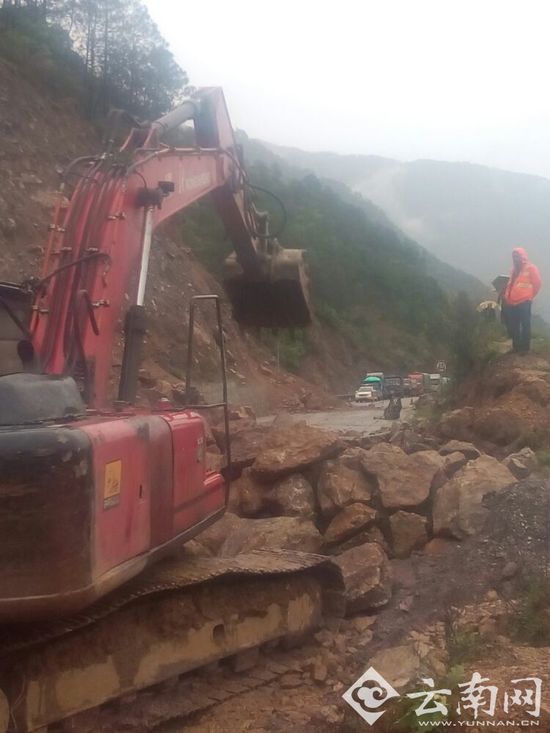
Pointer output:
x,y
362,500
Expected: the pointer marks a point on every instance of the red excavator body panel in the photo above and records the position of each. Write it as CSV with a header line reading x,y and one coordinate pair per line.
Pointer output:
x,y
102,498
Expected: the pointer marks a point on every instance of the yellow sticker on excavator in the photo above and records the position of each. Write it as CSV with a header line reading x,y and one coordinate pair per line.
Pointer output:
x,y
113,480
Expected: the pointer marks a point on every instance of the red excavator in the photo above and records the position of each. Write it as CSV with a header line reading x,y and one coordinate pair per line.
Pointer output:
x,y
94,489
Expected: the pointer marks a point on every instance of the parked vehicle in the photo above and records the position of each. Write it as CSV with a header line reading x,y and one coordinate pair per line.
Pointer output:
x,y
365,393
375,375
393,386
435,381
417,383
376,382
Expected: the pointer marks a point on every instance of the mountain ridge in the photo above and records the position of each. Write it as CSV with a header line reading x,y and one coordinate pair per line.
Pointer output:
x,y
451,278
467,214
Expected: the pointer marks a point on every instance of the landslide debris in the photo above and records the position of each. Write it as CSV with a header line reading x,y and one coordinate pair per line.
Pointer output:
x,y
504,407
415,610
303,486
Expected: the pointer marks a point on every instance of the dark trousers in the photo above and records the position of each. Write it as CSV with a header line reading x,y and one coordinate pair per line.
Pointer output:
x,y
519,323
504,318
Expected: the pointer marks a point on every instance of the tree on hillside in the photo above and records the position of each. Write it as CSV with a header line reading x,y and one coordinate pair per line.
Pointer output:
x,y
465,336
112,49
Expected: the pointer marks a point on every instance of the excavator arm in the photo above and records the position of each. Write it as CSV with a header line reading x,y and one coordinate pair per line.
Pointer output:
x,y
96,263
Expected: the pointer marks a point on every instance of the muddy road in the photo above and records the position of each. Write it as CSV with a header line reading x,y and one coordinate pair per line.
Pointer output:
x,y
365,419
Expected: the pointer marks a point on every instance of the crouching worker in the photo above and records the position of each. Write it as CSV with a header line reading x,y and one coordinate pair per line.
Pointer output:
x,y
523,286
393,409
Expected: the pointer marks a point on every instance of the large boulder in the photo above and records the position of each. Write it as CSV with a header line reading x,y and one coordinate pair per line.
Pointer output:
x,y
521,464
409,440
458,424
458,510
235,427
452,462
409,532
399,665
498,425
214,537
246,437
403,480
292,496
287,451
275,533
468,450
247,495
342,482
349,521
351,457
367,577
245,445
371,534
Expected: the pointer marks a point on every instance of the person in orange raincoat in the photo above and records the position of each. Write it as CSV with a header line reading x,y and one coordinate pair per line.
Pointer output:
x,y
523,286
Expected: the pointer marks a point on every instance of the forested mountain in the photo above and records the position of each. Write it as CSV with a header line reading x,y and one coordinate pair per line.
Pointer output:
x,y
292,164
368,282
471,216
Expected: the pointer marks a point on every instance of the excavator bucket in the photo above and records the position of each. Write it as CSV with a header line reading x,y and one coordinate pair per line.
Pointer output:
x,y
277,300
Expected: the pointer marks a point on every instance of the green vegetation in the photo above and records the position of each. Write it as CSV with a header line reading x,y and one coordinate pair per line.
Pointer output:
x,y
543,459
540,343
357,267
463,644
530,618
289,347
402,716
474,339
103,53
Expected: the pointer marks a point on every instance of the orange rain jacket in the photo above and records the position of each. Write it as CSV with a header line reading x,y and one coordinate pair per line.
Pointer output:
x,y
525,284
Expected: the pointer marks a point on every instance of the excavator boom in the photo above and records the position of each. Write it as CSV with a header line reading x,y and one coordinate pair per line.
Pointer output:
x,y
97,259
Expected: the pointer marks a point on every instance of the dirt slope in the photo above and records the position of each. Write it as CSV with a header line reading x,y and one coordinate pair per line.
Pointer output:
x,y
39,135
503,406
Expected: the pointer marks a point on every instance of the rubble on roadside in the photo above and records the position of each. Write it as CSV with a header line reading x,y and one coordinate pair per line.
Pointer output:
x,y
362,500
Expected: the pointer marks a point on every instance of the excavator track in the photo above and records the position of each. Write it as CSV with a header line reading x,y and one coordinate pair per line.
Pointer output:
x,y
182,615
165,707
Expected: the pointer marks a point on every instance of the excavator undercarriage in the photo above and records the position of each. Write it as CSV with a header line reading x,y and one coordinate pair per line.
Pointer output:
x,y
181,615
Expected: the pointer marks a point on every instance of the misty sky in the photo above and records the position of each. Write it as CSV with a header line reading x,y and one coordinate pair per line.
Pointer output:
x,y
445,79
